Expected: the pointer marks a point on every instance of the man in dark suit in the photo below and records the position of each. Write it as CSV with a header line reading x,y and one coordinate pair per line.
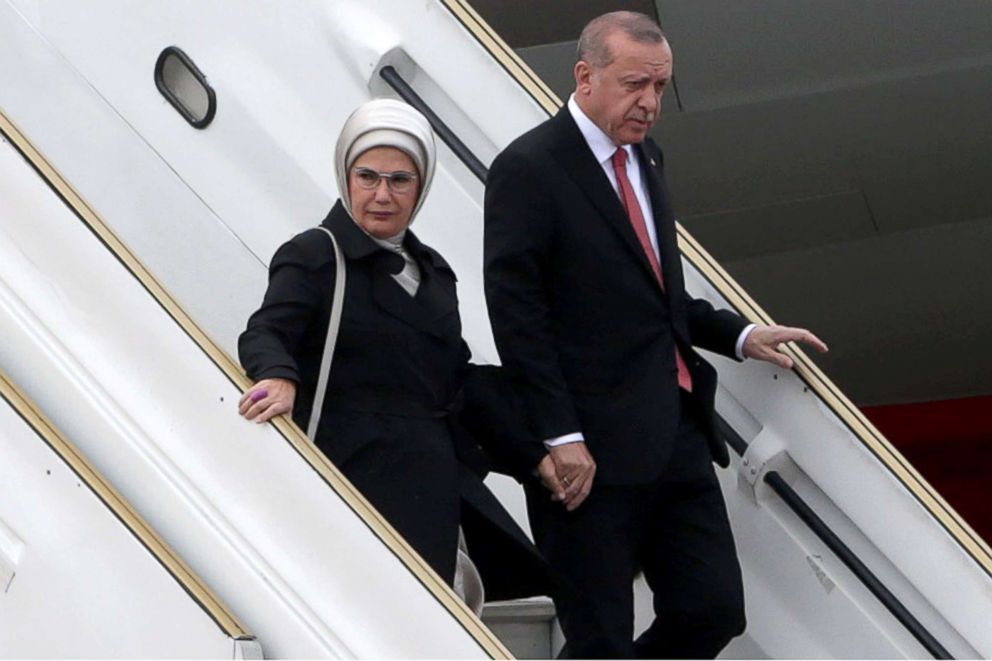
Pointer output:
x,y
586,295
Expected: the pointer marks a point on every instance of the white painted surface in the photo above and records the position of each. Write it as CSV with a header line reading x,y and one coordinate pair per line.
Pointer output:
x,y
153,414
286,75
787,567
81,583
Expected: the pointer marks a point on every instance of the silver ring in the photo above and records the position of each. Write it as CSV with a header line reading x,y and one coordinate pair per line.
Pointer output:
x,y
566,481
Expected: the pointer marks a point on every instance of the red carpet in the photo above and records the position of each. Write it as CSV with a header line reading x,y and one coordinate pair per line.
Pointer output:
x,y
950,444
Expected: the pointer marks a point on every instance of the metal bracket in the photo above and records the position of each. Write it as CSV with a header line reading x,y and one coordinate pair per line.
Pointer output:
x,y
766,452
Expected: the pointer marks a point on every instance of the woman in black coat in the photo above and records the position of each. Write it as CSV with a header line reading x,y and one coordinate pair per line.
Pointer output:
x,y
399,362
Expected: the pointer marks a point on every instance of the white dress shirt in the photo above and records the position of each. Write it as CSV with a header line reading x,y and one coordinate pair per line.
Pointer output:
x,y
603,148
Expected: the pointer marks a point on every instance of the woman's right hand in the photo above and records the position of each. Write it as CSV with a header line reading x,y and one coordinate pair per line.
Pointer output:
x,y
267,399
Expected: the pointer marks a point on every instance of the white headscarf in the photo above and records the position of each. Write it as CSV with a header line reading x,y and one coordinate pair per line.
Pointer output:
x,y
386,123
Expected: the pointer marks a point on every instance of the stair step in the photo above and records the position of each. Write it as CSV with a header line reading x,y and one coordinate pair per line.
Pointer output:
x,y
528,627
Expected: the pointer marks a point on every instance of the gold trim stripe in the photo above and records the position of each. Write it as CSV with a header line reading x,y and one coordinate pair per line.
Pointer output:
x,y
849,414
296,438
123,510
504,55
738,297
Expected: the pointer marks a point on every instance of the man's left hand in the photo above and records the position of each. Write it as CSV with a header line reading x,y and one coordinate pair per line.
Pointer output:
x,y
764,343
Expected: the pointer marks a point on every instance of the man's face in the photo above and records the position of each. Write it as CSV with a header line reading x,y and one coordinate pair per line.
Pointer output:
x,y
624,97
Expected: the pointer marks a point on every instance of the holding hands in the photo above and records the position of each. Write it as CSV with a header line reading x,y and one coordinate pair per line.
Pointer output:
x,y
267,399
567,472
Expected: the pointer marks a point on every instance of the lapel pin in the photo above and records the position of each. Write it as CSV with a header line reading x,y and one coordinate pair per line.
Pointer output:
x,y
653,163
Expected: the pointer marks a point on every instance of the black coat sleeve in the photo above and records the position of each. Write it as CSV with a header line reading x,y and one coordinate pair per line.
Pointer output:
x,y
493,417
714,330
293,301
519,229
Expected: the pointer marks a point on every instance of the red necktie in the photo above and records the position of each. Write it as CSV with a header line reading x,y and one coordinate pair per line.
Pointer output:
x,y
636,216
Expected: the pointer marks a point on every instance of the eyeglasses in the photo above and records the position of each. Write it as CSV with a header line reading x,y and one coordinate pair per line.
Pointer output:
x,y
400,181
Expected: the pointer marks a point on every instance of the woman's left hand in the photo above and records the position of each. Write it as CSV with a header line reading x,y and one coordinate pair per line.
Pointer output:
x,y
267,399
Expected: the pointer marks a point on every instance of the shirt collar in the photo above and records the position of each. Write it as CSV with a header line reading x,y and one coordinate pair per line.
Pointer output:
x,y
601,145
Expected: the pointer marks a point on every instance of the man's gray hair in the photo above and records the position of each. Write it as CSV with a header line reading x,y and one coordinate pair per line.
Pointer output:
x,y
592,42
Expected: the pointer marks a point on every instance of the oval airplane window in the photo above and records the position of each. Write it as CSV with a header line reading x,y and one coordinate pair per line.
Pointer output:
x,y
185,87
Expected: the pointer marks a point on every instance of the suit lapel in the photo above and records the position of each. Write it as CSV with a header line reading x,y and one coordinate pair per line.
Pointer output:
x,y
421,311
578,162
664,223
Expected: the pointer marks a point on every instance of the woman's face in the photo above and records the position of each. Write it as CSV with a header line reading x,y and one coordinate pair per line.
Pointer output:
x,y
383,210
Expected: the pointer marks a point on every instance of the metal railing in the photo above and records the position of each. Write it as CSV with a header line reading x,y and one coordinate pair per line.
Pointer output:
x,y
794,501
407,93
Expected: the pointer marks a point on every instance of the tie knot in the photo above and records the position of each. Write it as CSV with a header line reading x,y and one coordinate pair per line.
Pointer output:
x,y
620,159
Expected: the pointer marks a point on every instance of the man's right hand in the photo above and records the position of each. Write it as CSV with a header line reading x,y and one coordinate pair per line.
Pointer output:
x,y
567,472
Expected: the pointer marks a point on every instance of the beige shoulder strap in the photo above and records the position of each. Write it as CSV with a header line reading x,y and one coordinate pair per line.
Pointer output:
x,y
337,304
